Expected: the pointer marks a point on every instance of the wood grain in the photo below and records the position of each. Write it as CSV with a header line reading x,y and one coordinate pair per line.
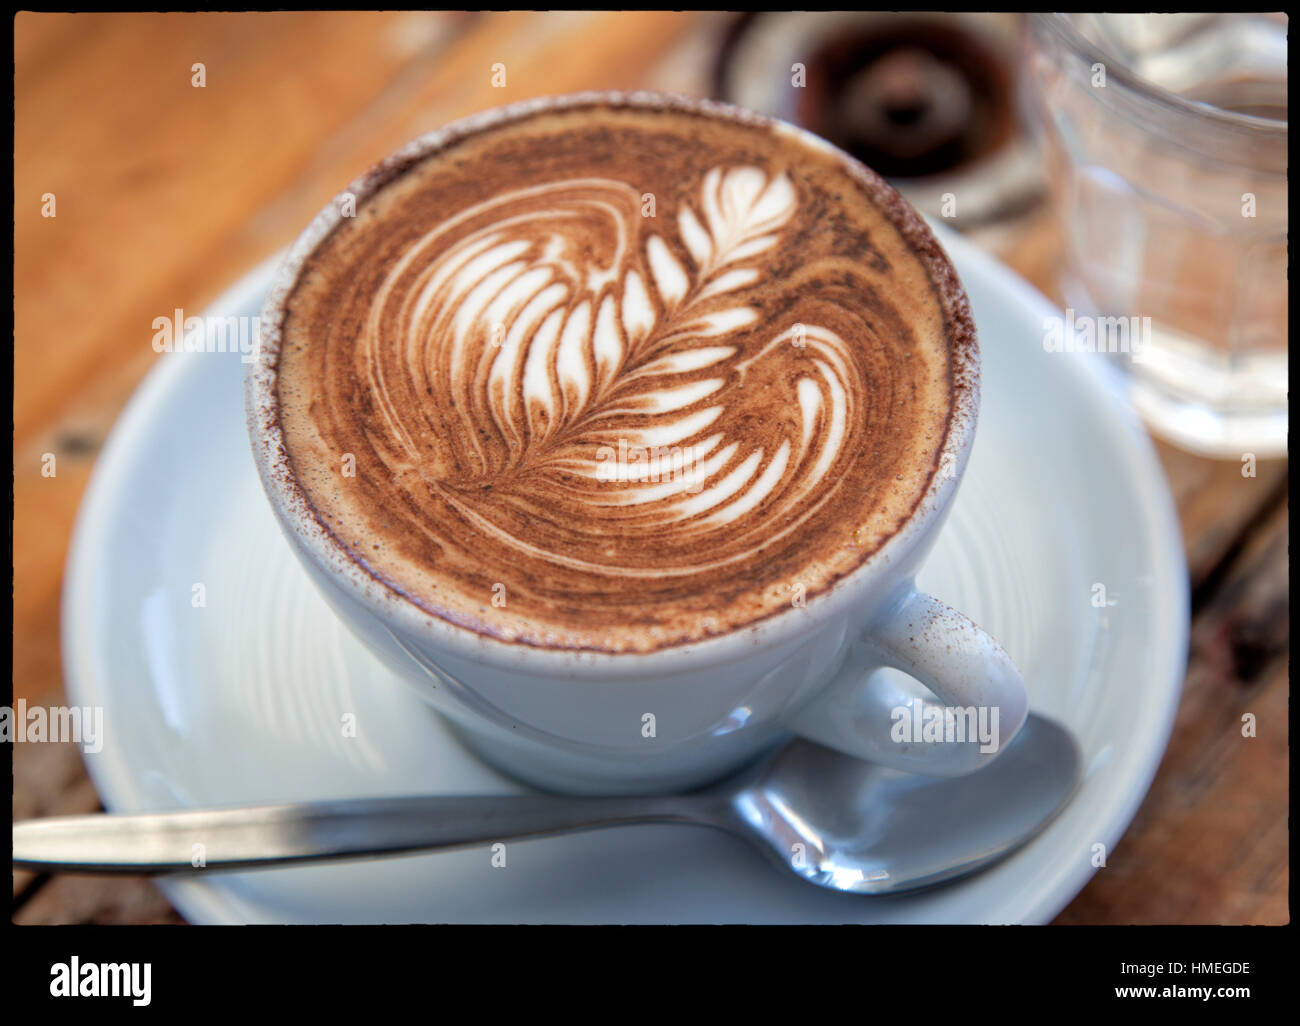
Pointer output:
x,y
165,193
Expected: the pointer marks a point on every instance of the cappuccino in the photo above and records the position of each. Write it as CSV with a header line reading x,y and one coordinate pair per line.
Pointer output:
x,y
618,376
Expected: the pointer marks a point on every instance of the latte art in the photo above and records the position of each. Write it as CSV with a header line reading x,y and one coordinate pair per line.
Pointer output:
x,y
655,388
560,328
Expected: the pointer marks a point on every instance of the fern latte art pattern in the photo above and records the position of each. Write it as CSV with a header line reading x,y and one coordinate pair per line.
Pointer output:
x,y
637,392
578,350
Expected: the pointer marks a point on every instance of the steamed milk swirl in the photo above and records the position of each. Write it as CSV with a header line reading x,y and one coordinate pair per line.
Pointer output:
x,y
614,378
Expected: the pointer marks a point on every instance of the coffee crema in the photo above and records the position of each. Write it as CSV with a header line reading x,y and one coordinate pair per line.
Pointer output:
x,y
617,377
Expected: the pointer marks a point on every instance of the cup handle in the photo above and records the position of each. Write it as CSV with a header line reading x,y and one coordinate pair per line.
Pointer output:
x,y
982,694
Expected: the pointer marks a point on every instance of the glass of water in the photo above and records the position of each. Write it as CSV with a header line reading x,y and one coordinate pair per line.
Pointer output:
x,y
1167,155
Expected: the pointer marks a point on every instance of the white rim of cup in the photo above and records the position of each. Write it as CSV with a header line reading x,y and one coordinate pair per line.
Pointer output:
x,y
295,511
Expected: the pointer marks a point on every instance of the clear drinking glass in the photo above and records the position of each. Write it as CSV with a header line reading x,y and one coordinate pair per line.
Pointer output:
x,y
1167,150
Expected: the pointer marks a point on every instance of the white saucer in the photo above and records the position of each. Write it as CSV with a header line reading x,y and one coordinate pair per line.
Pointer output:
x,y
242,700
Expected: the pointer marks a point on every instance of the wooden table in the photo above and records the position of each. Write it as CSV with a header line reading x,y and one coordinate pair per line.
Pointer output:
x,y
166,193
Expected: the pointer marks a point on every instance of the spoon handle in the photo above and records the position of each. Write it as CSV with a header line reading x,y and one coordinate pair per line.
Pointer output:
x,y
275,835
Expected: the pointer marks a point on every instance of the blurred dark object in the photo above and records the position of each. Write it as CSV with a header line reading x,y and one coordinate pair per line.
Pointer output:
x,y
927,100
905,107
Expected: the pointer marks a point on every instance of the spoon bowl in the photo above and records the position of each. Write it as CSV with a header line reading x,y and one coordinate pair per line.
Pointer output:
x,y
854,826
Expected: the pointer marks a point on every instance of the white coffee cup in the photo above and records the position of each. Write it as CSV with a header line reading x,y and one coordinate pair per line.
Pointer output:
x,y
677,718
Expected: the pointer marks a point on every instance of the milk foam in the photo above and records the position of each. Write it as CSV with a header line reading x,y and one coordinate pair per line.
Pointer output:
x,y
495,301
605,411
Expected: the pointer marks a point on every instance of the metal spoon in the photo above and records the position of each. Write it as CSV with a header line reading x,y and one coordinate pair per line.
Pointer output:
x,y
832,820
